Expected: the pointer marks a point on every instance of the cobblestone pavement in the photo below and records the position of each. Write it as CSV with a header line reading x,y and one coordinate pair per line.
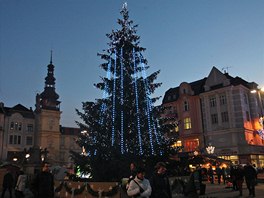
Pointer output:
x,y
220,191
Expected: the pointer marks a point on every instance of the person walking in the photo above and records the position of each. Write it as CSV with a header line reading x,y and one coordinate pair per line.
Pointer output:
x,y
8,183
251,178
43,183
211,174
160,182
139,187
239,174
233,171
20,185
219,174
224,174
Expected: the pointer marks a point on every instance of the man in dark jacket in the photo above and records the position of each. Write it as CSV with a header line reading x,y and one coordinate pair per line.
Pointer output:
x,y
251,177
8,183
160,182
43,183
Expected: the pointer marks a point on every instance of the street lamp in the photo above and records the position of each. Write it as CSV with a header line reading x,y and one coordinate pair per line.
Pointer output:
x,y
210,149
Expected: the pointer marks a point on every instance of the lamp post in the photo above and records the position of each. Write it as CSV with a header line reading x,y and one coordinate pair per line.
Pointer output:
x,y
210,149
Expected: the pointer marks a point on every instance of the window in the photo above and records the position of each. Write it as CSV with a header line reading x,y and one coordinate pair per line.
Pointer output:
x,y
187,123
214,118
19,126
29,140
224,116
16,126
30,127
186,106
222,99
11,139
14,139
212,102
12,126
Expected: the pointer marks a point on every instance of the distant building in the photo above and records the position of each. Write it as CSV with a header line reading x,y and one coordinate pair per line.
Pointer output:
x,y
38,133
223,111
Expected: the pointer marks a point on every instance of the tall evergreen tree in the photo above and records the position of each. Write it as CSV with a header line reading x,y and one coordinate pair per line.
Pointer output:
x,y
123,124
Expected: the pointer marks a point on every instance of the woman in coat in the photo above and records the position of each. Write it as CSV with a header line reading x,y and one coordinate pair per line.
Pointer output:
x,y
140,186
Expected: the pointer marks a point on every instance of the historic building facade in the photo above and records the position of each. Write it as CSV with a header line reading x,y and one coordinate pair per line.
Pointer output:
x,y
227,113
37,133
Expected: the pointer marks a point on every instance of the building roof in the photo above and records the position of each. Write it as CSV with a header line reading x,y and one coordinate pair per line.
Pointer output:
x,y
198,86
25,112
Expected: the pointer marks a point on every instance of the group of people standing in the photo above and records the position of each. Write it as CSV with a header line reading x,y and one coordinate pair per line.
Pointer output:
x,y
42,185
156,187
9,181
240,173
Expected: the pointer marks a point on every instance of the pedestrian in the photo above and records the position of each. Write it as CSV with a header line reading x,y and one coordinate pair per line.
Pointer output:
x,y
239,174
251,178
218,171
211,174
43,183
233,171
190,189
198,180
224,174
133,172
21,184
140,186
8,183
160,182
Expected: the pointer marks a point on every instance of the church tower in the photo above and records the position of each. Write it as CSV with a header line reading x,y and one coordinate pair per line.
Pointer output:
x,y
48,118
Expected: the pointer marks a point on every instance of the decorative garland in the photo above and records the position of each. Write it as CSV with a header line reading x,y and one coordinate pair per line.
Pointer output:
x,y
58,189
77,191
74,191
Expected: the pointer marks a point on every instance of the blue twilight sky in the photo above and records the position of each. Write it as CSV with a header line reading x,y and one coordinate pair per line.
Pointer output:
x,y
183,38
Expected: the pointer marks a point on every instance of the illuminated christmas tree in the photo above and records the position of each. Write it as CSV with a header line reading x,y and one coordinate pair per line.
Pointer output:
x,y
123,125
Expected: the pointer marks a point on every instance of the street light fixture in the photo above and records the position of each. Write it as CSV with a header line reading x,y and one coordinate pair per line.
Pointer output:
x,y
210,149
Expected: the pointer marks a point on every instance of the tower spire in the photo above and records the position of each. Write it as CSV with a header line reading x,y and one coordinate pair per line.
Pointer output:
x,y
51,56
48,99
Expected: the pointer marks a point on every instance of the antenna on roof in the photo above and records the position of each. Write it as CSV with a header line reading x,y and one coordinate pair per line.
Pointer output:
x,y
225,69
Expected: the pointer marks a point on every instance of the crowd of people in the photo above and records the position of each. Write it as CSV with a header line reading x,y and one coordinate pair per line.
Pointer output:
x,y
138,186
